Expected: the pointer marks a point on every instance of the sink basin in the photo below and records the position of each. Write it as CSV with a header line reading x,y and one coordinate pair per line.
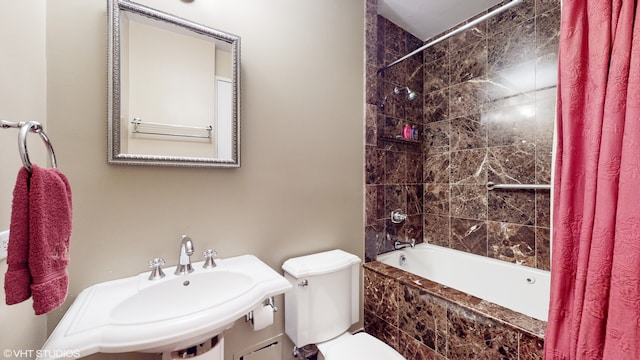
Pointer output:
x,y
181,295
142,315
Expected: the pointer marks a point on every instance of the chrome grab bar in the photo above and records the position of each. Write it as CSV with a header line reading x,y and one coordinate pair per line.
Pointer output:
x,y
492,186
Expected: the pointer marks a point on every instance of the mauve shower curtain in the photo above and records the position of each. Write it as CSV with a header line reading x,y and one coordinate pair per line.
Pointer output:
x,y
595,278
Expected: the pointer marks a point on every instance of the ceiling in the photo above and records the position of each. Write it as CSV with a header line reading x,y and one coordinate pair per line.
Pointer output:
x,y
427,18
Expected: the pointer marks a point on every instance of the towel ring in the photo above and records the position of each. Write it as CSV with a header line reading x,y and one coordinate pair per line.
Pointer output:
x,y
35,127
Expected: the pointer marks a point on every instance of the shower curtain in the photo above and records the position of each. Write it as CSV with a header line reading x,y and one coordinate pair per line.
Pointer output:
x,y
595,277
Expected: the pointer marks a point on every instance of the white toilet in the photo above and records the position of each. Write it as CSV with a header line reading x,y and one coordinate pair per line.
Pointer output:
x,y
324,303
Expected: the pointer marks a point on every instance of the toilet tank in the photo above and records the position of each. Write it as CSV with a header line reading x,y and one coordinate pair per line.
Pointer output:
x,y
325,298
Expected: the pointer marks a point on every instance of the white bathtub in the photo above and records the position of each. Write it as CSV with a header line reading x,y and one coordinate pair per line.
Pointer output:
x,y
519,288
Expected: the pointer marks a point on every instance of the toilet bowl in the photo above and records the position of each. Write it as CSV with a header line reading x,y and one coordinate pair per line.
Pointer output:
x,y
357,346
324,303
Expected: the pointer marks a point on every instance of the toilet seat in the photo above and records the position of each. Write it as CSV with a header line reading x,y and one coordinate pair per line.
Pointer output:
x,y
358,346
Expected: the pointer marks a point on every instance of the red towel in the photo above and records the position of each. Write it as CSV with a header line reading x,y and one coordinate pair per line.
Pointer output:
x,y
49,230
17,279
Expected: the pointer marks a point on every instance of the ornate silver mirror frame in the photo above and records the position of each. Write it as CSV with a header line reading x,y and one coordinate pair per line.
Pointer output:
x,y
117,11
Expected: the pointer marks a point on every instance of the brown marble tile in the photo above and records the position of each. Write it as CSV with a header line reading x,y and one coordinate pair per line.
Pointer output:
x,y
531,348
473,37
543,248
436,229
393,106
468,63
415,200
374,166
511,121
513,46
414,77
413,43
512,164
512,206
469,236
545,116
469,167
374,203
408,229
395,197
543,164
371,13
469,97
424,317
437,168
469,201
371,133
472,336
381,296
415,172
543,6
389,126
468,133
395,74
395,167
413,349
517,14
436,75
506,83
436,199
371,84
543,208
485,309
436,137
411,228
436,105
374,235
391,232
547,32
394,37
512,243
437,51
379,328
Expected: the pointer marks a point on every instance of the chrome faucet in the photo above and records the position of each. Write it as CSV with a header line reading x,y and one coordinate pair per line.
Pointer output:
x,y
403,244
184,261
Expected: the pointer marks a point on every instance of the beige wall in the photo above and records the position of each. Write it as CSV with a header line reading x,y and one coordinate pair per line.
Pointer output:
x,y
300,187
22,97
187,64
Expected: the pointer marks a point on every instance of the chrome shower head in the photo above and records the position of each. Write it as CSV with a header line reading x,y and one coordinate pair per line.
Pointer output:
x,y
410,94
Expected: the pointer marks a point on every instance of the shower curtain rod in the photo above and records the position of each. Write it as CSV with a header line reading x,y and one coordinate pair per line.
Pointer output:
x,y
456,31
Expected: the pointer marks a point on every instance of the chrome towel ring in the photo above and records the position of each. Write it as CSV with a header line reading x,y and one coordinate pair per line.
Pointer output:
x,y
25,128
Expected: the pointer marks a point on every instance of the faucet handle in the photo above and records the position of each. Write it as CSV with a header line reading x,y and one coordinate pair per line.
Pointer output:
x,y
156,269
209,262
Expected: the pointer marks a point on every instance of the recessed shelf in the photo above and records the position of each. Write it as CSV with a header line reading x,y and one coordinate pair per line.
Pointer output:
x,y
399,140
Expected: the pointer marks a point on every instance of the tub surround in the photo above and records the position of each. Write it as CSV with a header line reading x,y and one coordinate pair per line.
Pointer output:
x,y
487,115
425,320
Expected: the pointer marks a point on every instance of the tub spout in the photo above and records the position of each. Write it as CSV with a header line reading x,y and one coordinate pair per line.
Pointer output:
x,y
403,244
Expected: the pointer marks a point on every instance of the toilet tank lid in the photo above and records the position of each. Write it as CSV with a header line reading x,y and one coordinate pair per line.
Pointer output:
x,y
320,263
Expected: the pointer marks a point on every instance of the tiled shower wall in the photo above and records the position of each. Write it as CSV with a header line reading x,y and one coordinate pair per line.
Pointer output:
x,y
486,115
394,167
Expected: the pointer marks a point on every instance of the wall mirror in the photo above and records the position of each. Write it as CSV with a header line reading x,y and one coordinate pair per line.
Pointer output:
x,y
174,88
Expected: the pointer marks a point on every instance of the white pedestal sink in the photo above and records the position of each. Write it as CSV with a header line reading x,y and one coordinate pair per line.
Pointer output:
x,y
142,315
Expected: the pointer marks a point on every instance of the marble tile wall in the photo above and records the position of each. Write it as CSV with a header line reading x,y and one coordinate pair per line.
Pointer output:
x,y
487,111
424,320
394,167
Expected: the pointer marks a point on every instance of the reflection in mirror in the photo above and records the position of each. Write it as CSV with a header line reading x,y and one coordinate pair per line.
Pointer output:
x,y
173,90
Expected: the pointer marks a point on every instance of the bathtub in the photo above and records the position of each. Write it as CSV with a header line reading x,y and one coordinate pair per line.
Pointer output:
x,y
519,288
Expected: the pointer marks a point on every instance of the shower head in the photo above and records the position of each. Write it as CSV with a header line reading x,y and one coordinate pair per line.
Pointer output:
x,y
410,94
